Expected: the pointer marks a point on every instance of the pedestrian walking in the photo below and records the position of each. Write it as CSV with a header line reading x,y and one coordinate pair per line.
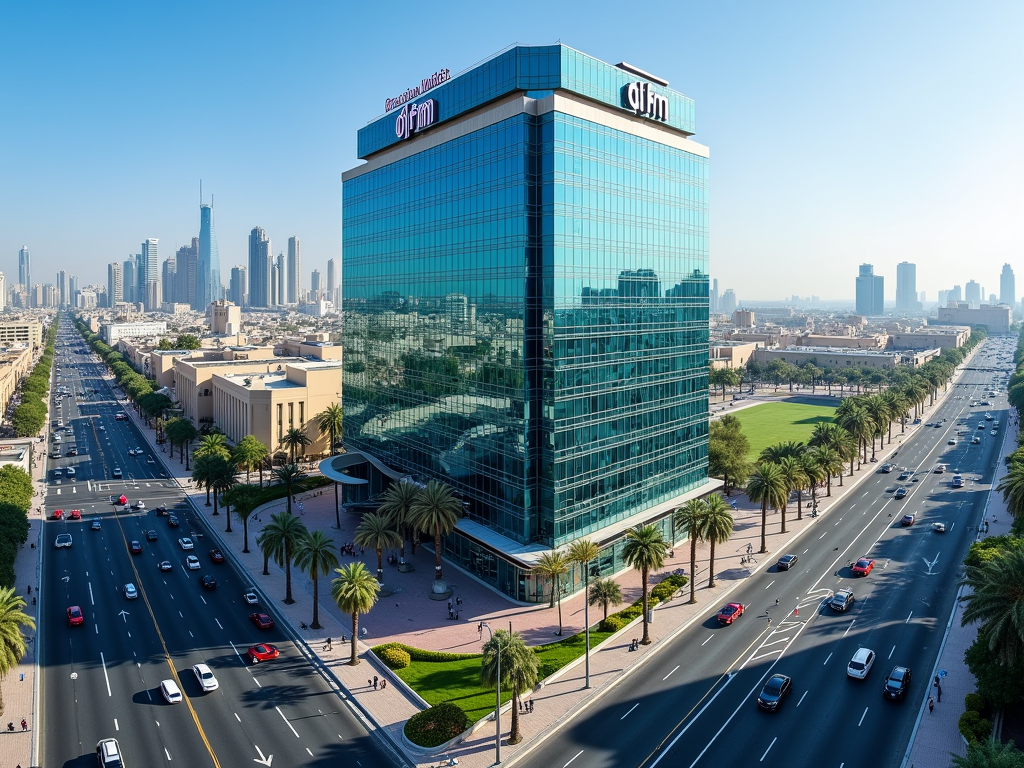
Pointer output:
x,y
449,604
383,684
369,683
451,614
939,689
375,682
931,704
531,706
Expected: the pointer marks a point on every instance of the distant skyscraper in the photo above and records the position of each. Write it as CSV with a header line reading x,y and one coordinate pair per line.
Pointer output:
x,y
260,265
870,292
168,279
314,284
115,284
922,297
208,261
72,291
1007,287
906,288
151,286
955,294
25,268
294,270
972,294
186,269
281,270
237,291
727,304
713,297
332,281
130,280
62,289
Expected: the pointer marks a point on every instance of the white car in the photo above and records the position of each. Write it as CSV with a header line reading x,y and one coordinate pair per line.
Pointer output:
x,y
63,540
861,663
251,598
116,474
130,592
170,691
206,679
193,562
186,543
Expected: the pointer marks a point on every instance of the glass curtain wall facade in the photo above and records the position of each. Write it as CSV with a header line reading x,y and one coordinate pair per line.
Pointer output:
x,y
526,310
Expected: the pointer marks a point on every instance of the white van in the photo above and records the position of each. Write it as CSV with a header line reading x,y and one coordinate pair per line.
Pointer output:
x,y
170,691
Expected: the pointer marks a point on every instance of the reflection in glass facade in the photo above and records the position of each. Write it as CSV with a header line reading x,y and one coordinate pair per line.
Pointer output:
x,y
526,307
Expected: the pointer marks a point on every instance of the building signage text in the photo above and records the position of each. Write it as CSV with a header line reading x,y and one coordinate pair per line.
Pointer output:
x,y
415,117
441,76
642,99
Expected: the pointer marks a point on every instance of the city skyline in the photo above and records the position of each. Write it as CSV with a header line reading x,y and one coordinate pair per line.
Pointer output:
x,y
892,68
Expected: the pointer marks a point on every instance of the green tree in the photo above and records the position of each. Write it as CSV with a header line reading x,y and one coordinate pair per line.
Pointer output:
x,y
519,671
329,421
314,555
204,472
397,504
553,566
250,454
436,511
718,524
222,477
279,539
354,591
12,638
377,532
645,551
244,498
215,444
289,474
16,487
186,341
295,438
689,520
727,451
1011,485
792,471
996,601
605,592
767,487
990,753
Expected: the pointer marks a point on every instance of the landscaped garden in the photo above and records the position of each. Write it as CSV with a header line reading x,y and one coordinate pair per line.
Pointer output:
x,y
773,423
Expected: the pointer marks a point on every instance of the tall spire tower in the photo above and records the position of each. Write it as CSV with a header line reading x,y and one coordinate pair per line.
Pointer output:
x,y
208,265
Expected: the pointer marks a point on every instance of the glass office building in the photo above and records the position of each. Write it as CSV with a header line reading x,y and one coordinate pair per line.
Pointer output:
x,y
525,299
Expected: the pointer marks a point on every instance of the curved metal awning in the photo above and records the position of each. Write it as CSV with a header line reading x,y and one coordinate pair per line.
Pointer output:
x,y
334,467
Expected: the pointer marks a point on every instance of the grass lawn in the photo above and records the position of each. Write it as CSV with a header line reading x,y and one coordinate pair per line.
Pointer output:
x,y
772,423
459,681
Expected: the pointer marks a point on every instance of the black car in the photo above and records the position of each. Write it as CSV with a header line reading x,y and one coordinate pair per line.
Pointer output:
x,y
150,535
786,562
775,690
209,582
172,521
842,600
896,683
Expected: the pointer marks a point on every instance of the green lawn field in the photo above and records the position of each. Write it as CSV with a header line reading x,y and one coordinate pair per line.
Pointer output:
x,y
772,423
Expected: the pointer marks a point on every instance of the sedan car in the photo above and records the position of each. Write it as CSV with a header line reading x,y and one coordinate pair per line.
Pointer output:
x,y
251,598
863,566
901,492
151,536
908,519
116,474
63,540
58,514
897,683
95,525
165,565
775,690
261,620
263,652
905,475
171,692
208,582
994,432
886,468
130,591
939,527
729,613
139,505
205,676
72,452
217,556
186,543
842,600
136,548
75,514
951,441
976,440
861,663
192,562
75,616
958,482
786,562
172,521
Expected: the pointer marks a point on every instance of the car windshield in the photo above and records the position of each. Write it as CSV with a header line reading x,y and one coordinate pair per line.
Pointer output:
x,y
260,649
856,665
773,688
862,563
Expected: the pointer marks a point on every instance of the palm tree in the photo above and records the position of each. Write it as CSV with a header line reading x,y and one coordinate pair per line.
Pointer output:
x,y
330,421
768,488
289,474
645,551
775,453
996,600
215,444
897,405
1011,485
222,477
845,444
878,410
354,591
605,592
295,438
376,532
793,475
826,461
519,671
397,504
263,542
203,474
249,454
12,641
990,753
280,539
244,498
187,433
553,566
688,520
315,555
436,511
718,523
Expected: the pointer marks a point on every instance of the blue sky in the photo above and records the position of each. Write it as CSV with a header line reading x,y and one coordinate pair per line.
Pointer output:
x,y
839,132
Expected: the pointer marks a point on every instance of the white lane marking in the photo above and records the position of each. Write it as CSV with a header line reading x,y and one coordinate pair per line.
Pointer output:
x,y
849,628
862,717
286,720
822,536
203,599
236,651
573,758
310,753
180,614
666,677
908,618
97,628
805,551
682,732
853,505
769,749
891,652
116,726
237,717
168,754
826,660
709,637
217,620
766,655
770,583
91,600
802,699
630,710
105,677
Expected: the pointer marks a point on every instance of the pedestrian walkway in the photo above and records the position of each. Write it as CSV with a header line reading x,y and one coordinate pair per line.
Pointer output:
x,y
406,614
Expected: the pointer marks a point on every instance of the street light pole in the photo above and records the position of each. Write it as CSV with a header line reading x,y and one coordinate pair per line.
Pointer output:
x,y
497,704
586,616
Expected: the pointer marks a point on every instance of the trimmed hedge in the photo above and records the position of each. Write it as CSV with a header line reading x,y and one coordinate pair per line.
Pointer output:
x,y
395,658
433,727
418,654
974,727
611,624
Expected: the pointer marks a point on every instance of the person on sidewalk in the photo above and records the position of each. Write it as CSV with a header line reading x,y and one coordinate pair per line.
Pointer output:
x,y
931,704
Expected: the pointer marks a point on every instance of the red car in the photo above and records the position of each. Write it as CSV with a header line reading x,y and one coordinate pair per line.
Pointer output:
x,y
58,514
264,652
261,620
863,566
217,556
76,514
136,548
729,613
75,616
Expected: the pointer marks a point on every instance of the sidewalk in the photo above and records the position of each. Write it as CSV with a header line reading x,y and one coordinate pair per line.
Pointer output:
x,y
407,615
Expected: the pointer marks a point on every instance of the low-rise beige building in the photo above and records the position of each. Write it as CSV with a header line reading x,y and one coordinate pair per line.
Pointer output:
x,y
18,332
15,363
943,337
997,319
192,375
730,355
825,357
867,341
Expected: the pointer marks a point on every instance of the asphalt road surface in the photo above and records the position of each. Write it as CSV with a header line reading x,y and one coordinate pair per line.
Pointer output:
x,y
102,679
694,702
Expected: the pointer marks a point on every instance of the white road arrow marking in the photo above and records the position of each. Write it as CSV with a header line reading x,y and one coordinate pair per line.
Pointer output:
x,y
66,579
263,760
931,564
124,615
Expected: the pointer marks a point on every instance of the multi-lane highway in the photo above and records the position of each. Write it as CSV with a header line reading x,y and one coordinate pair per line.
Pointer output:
x,y
101,679
694,702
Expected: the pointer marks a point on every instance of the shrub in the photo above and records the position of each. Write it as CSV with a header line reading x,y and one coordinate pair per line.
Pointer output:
x,y
974,727
975,702
676,581
632,612
611,624
433,727
663,592
418,654
395,658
